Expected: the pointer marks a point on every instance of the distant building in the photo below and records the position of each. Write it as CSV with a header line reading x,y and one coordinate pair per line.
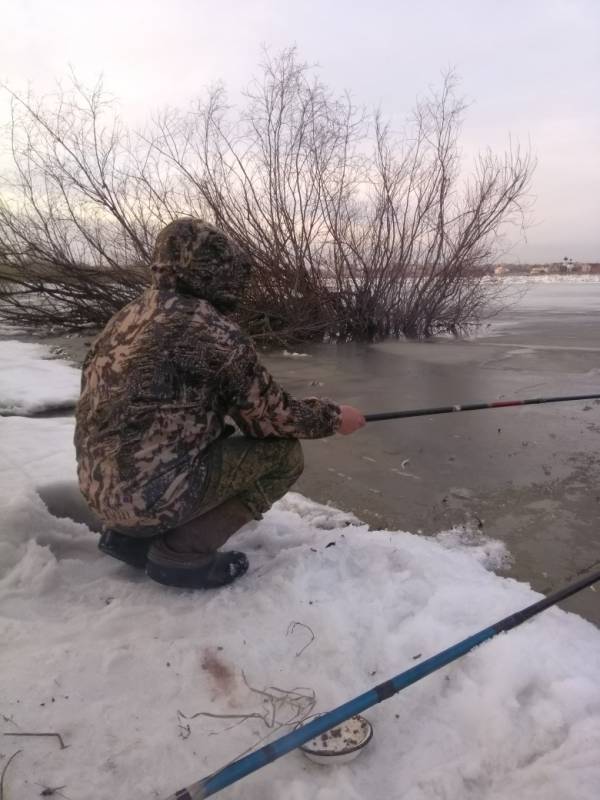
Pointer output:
x,y
540,271
501,270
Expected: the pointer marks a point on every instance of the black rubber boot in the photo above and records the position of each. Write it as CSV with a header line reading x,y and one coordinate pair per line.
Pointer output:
x,y
131,550
194,571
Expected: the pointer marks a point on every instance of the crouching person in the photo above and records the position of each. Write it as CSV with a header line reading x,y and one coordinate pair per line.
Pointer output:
x,y
156,461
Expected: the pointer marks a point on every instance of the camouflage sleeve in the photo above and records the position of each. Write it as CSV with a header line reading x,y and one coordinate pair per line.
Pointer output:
x,y
261,408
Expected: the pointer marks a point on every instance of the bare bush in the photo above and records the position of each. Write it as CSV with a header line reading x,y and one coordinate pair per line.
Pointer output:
x,y
356,232
272,176
413,261
79,214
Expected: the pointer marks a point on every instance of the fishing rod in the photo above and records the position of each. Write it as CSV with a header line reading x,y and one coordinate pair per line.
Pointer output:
x,y
237,770
427,412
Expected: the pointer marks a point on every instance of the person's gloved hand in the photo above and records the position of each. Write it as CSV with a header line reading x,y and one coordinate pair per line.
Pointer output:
x,y
352,420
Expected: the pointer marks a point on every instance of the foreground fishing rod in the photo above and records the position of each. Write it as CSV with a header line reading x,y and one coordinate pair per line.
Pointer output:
x,y
265,755
427,412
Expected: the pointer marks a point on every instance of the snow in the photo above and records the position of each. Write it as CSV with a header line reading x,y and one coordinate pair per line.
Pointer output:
x,y
119,666
31,383
491,553
574,278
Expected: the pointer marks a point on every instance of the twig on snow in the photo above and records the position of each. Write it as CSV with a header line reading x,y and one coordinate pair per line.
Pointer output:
x,y
292,627
184,731
63,746
300,701
50,791
6,766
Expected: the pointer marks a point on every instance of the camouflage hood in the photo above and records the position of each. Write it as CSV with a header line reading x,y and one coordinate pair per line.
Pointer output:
x,y
193,257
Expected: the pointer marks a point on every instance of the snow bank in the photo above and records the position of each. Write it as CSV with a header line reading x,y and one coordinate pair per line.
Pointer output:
x,y
98,653
31,383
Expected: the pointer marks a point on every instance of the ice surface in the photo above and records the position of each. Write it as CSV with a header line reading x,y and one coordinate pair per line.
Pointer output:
x,y
31,383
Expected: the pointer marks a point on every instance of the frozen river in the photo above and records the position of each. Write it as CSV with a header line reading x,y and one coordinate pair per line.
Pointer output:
x,y
529,476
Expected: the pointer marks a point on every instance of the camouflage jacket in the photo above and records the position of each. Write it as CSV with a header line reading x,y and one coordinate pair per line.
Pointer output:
x,y
166,371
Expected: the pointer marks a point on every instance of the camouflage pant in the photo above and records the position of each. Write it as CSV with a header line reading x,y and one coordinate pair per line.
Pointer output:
x,y
257,472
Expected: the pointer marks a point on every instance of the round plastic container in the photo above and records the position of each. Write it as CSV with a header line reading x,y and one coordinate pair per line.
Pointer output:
x,y
340,744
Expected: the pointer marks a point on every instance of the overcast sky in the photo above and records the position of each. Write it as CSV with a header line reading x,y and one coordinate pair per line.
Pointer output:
x,y
530,68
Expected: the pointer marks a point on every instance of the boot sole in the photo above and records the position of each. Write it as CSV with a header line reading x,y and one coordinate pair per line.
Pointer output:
x,y
182,578
197,577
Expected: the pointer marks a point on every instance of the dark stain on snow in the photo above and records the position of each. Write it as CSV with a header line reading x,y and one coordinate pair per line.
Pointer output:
x,y
221,672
